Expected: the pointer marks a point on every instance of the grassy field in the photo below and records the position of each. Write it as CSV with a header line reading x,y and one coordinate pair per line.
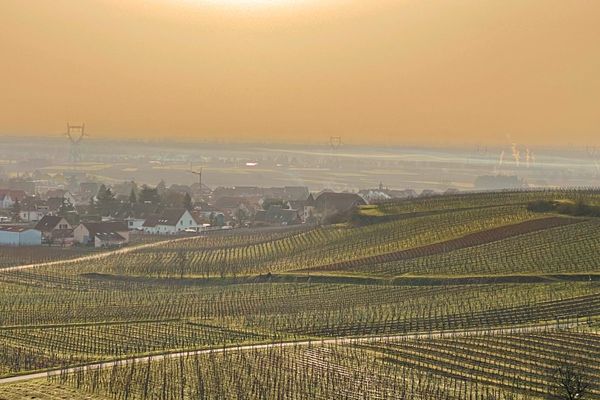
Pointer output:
x,y
397,274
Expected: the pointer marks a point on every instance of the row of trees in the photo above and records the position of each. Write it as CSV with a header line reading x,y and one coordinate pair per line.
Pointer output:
x,y
106,202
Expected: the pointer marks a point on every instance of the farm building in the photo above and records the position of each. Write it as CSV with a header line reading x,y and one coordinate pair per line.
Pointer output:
x,y
19,236
170,222
102,234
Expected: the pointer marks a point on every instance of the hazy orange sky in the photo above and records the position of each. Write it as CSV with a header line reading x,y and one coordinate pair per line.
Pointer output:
x,y
371,71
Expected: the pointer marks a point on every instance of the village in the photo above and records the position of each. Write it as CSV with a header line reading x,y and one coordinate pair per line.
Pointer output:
x,y
70,210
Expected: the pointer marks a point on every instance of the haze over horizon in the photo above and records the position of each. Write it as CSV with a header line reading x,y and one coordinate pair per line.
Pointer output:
x,y
397,72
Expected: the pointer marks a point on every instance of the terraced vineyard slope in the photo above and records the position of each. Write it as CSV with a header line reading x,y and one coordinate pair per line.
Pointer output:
x,y
471,296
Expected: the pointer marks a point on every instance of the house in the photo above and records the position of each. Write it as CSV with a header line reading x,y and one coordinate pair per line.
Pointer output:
x,y
11,235
308,214
31,214
237,191
102,234
209,214
330,203
32,209
135,223
138,213
306,208
170,222
9,197
230,205
55,203
60,194
295,204
277,215
54,228
28,187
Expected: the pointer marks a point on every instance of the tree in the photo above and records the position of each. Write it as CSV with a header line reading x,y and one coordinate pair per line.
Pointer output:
x,y
571,383
172,199
187,202
148,195
16,211
161,188
65,207
241,216
132,196
106,200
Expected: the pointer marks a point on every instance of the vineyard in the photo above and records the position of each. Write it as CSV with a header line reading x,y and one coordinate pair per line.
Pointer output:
x,y
12,256
313,247
474,366
379,293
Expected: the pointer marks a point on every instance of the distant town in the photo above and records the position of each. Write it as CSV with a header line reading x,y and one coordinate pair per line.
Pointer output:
x,y
72,210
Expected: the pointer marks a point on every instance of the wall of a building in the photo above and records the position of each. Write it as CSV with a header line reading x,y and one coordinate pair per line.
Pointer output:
x,y
31,237
9,238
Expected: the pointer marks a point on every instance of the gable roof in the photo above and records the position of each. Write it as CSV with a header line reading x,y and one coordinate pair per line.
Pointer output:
x,y
151,221
169,217
230,202
103,228
54,203
48,223
296,204
276,214
110,236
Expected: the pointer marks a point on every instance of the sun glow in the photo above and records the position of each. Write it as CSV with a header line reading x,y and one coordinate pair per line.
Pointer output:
x,y
247,3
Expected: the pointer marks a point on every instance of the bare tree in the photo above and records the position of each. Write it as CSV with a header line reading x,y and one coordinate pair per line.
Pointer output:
x,y
572,384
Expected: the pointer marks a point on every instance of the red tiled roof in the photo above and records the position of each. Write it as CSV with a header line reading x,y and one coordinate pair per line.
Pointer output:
x,y
14,194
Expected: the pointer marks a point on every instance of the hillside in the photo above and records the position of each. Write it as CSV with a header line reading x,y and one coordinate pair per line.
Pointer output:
x,y
469,296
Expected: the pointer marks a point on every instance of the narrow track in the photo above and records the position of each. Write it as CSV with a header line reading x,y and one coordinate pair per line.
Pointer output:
x,y
304,343
91,257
